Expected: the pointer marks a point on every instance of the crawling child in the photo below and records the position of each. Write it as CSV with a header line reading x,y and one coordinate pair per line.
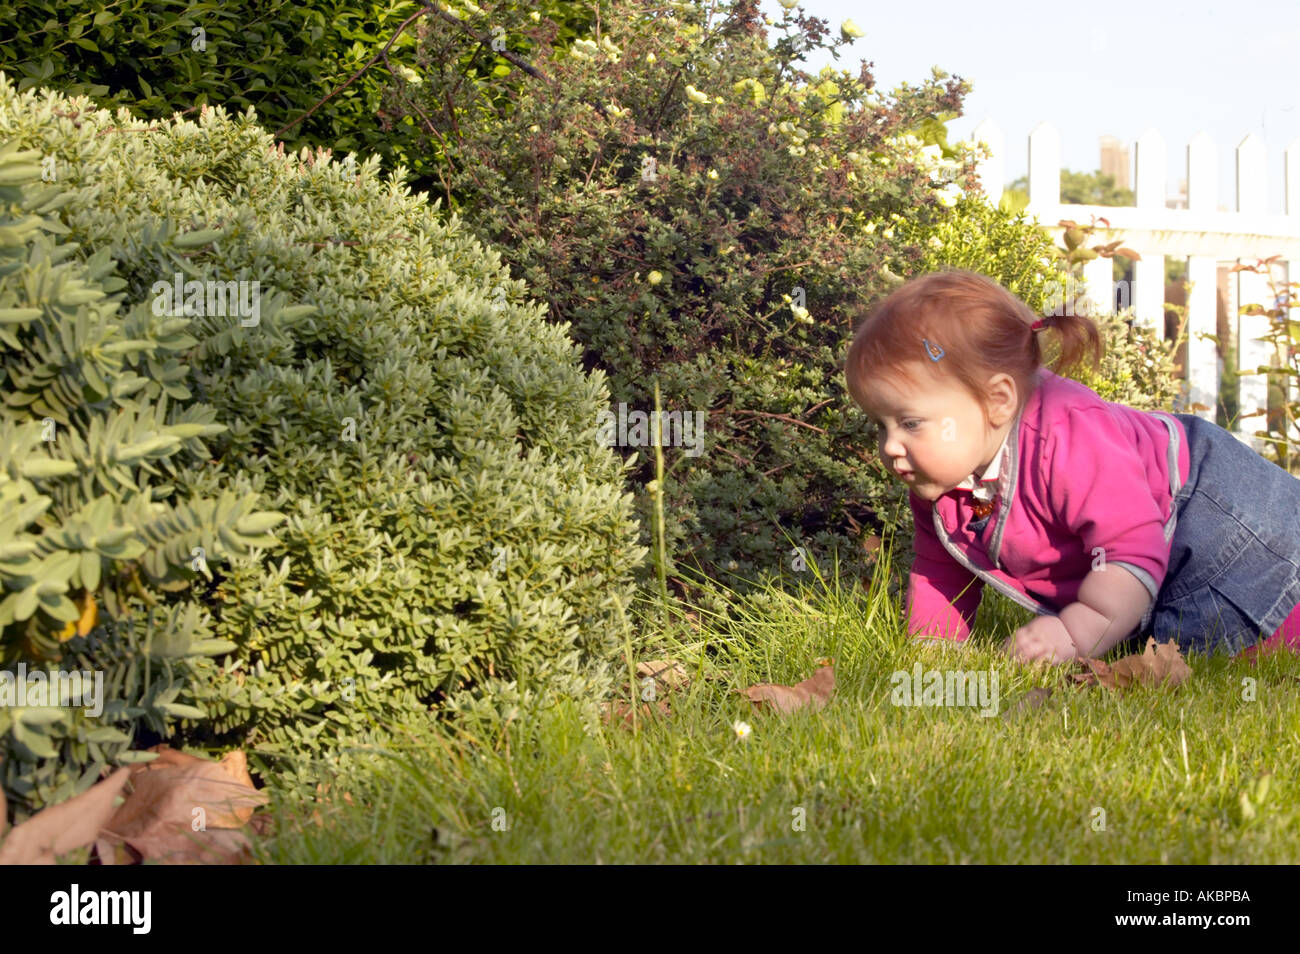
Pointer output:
x,y
1110,523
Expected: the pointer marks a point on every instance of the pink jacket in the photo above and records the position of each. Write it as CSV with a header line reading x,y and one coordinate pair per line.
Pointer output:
x,y
1080,478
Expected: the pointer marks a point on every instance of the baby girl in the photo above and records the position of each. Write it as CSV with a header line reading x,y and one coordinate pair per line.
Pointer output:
x,y
1109,522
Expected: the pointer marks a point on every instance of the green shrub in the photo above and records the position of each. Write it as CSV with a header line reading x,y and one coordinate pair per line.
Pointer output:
x,y
457,539
96,422
283,57
722,248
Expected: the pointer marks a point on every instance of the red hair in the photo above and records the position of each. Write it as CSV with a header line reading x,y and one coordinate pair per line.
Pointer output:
x,y
981,328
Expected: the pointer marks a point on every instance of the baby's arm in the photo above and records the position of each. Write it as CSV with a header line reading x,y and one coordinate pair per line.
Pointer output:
x,y
1112,601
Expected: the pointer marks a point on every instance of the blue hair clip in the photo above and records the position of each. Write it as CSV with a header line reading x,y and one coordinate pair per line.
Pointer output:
x,y
931,349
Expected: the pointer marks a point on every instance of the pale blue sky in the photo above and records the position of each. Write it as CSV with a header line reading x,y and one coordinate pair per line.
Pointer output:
x,y
1097,68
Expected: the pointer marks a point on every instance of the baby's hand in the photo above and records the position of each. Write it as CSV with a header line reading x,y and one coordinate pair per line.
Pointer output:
x,y
1044,637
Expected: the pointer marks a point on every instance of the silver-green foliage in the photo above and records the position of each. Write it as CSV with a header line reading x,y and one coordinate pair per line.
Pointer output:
x,y
457,540
95,424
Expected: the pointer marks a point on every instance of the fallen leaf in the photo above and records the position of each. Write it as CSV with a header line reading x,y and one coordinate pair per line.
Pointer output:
x,y
64,827
111,851
812,693
177,845
666,673
184,810
619,709
1161,665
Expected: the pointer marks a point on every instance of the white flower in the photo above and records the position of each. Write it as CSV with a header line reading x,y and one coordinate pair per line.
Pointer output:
x,y
713,173
888,233
615,110
609,46
535,16
410,75
654,278
801,314
742,729
534,128
934,242
732,564
851,30
932,154
649,57
583,49
949,195
695,95
789,4
871,227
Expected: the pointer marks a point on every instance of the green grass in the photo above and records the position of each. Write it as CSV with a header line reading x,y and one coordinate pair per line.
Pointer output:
x,y
877,783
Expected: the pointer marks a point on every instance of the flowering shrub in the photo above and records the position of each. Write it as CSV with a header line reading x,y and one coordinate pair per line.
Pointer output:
x,y
705,215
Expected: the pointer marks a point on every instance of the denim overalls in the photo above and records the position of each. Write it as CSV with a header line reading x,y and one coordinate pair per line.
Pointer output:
x,y
1234,562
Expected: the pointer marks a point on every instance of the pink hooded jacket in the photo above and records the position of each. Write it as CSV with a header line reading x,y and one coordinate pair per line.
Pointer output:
x,y
1078,478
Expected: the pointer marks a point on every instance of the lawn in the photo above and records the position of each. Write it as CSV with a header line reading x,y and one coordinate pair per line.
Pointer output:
x,y
1091,775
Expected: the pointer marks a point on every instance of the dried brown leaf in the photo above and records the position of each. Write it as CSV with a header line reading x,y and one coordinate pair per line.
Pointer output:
x,y
619,711
813,693
185,810
1161,665
667,673
64,827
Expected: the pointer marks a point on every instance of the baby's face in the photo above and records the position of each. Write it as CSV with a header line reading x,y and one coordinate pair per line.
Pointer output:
x,y
930,436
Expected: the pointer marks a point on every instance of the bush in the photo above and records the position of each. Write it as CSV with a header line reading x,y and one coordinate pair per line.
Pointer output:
x,y
97,422
457,540
282,57
709,217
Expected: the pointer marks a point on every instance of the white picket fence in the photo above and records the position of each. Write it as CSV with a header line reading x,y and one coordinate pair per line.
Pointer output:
x,y
1201,234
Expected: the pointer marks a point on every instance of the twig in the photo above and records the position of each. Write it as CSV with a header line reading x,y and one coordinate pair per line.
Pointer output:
x,y
405,23
779,417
